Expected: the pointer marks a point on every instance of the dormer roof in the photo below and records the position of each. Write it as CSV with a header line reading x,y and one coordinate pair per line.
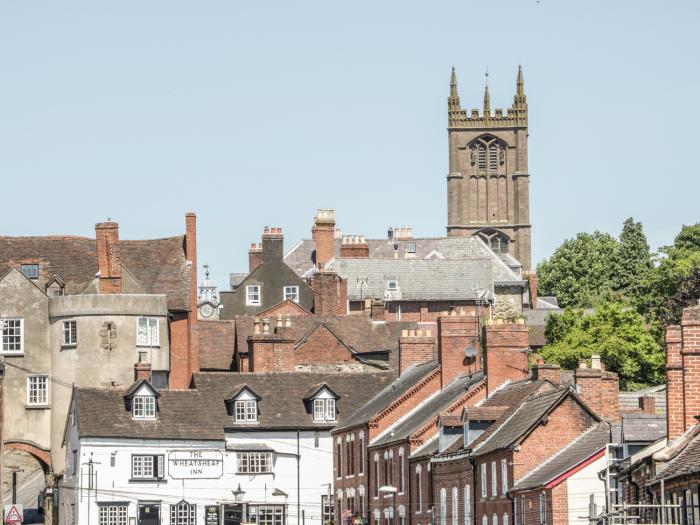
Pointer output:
x,y
137,386
237,390
314,391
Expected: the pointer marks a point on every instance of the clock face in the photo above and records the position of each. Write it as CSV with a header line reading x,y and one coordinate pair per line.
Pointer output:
x,y
206,310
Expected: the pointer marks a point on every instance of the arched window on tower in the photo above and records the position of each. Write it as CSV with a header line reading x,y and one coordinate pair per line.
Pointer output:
x,y
497,241
488,154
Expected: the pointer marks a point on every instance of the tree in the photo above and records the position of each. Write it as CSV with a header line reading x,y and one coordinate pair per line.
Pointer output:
x,y
617,333
579,272
632,259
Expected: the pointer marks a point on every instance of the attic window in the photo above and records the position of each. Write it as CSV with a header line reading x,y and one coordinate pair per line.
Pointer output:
x,y
411,247
392,285
246,410
143,407
324,409
30,271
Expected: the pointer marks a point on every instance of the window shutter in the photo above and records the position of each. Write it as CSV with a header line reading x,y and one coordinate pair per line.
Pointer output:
x,y
160,462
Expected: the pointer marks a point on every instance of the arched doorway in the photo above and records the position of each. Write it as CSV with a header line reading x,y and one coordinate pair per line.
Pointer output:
x,y
26,474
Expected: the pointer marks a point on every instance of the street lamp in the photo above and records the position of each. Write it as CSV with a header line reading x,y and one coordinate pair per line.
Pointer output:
x,y
389,489
238,493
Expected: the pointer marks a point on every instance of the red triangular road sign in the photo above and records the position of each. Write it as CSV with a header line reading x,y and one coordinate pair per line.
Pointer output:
x,y
13,515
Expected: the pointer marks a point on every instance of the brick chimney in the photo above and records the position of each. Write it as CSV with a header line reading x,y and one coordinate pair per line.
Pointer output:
x,y
599,389
191,253
272,244
142,369
330,294
647,404
683,372
532,283
505,352
377,310
457,332
108,257
323,233
271,347
545,371
254,256
415,347
354,247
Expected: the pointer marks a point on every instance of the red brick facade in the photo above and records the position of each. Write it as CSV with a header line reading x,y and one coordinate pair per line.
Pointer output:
x,y
457,332
323,233
108,257
506,358
415,347
330,294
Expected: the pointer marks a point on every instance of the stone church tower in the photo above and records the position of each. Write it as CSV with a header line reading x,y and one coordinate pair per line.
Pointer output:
x,y
487,186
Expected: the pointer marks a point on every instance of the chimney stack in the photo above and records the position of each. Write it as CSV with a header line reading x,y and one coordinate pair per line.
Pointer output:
x,y
545,371
323,233
330,294
415,347
354,247
142,369
272,244
532,282
458,345
505,352
647,404
108,257
377,310
598,388
272,348
254,256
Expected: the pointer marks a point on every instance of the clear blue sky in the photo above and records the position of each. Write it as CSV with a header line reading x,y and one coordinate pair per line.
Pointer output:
x,y
257,113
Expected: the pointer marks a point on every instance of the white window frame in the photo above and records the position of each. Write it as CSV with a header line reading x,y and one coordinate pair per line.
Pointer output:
x,y
484,481
115,514
495,519
183,513
150,337
330,409
402,472
505,520
70,333
419,482
494,479
392,285
245,410
253,462
455,506
363,453
467,505
249,292
147,466
6,335
290,293
37,390
443,506
143,407
504,476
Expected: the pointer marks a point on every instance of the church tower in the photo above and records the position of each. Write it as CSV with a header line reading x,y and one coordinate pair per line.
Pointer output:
x,y
487,186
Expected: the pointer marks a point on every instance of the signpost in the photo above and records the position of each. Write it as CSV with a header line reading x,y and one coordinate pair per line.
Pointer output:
x,y
211,515
195,464
14,514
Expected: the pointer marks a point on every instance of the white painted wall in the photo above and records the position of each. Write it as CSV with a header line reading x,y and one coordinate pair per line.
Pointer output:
x,y
580,486
112,483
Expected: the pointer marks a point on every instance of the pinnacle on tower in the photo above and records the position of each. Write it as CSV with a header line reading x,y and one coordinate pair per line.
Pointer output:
x,y
487,98
453,84
520,98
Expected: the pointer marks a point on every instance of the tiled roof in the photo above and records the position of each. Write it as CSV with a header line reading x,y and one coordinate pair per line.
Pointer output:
x,y
282,394
485,413
687,462
585,446
216,344
429,410
159,265
389,394
421,279
629,401
521,420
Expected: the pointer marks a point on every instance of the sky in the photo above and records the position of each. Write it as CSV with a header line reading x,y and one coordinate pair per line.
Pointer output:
x,y
258,113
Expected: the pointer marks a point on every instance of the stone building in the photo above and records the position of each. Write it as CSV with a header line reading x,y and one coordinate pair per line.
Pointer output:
x,y
488,179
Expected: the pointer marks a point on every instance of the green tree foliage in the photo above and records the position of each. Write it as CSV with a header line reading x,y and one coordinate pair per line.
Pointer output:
x,y
578,272
618,334
632,259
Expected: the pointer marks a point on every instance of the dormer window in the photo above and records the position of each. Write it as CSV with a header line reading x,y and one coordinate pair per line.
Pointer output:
x,y
246,410
324,409
143,407
322,400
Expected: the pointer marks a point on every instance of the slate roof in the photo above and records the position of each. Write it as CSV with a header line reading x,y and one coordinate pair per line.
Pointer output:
x,y
389,394
642,427
421,279
585,446
527,414
629,401
159,265
282,395
429,410
216,344
687,461
181,415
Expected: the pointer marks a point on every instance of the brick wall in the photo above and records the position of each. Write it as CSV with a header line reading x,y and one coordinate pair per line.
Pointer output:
x,y
108,257
424,311
415,347
420,511
322,232
191,254
330,294
499,503
545,371
456,332
505,354
599,389
675,411
180,373
254,257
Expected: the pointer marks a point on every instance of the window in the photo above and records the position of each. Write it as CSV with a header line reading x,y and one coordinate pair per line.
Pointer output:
x,y
467,505
348,456
411,247
254,462
147,332
143,407
12,335
112,514
488,154
484,520
70,333
291,293
495,519
484,482
392,285
504,476
455,506
324,409
362,453
271,515
443,506
543,507
74,464
38,390
376,475
327,506
505,518
339,455
419,488
252,295
147,467
351,462
183,514
246,410
402,471
494,480
31,271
